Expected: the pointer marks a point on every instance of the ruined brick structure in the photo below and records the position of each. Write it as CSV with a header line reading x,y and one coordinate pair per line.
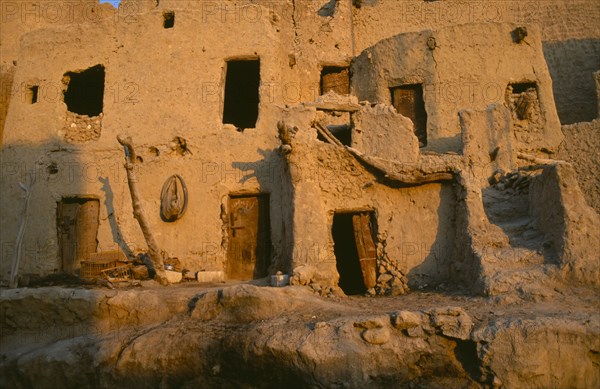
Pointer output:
x,y
294,123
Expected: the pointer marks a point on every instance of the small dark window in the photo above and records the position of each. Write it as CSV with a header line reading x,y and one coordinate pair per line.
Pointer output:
x,y
168,19
241,93
408,101
85,91
334,78
32,94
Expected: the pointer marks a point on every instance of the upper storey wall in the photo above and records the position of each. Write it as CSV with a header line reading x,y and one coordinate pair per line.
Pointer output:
x,y
570,34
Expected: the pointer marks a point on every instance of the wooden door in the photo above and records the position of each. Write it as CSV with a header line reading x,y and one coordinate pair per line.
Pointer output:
x,y
77,223
367,253
408,101
249,237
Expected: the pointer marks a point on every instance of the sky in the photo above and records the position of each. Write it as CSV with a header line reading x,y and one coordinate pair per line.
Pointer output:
x,y
115,3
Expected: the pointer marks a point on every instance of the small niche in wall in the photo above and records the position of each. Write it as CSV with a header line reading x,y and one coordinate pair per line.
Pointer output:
x,y
408,101
168,19
32,94
335,78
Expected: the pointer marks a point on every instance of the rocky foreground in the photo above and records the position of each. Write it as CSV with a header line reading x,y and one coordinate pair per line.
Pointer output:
x,y
246,336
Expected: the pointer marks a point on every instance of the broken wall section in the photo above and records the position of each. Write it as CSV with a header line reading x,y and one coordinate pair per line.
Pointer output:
x,y
381,132
413,227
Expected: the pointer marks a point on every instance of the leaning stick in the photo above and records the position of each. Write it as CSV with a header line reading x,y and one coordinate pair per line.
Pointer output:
x,y
138,211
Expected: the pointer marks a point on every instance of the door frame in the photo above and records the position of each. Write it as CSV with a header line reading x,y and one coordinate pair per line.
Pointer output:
x,y
225,212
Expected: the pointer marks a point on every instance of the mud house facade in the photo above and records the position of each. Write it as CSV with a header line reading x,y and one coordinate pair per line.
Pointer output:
x,y
209,90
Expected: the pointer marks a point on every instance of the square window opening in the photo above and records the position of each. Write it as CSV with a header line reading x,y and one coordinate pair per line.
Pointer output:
x,y
408,101
85,91
336,79
522,98
242,84
169,19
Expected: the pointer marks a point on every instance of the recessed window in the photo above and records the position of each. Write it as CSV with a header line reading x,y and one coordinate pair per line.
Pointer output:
x,y
85,91
336,79
408,101
32,94
523,100
241,93
169,19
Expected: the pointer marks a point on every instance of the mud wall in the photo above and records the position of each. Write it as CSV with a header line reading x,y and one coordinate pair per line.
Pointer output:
x,y
569,29
174,118
582,140
20,17
444,62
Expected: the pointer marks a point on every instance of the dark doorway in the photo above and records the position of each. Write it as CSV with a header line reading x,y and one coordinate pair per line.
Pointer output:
x,y
85,91
77,225
355,251
334,78
249,244
241,93
408,101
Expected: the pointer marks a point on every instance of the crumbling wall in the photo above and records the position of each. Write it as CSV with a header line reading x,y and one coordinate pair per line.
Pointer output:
x,y
414,225
460,68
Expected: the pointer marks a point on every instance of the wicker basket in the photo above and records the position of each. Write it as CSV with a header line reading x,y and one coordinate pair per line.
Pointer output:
x,y
93,269
116,274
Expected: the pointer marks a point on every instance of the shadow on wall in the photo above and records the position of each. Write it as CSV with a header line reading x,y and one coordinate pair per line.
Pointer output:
x,y
572,64
435,269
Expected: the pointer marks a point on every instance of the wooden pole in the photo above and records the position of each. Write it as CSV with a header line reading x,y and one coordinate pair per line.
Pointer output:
x,y
14,271
138,211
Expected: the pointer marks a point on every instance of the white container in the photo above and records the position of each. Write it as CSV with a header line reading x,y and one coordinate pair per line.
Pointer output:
x,y
279,280
210,276
174,277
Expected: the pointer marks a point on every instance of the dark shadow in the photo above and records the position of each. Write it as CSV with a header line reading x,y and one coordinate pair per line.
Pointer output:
x,y
328,9
466,353
110,209
572,64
